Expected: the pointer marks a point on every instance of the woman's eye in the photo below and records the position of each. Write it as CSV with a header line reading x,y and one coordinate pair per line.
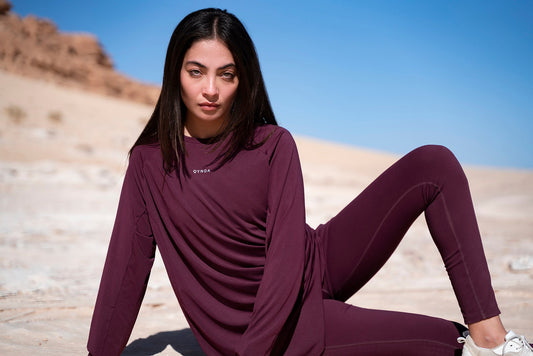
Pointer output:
x,y
194,73
228,75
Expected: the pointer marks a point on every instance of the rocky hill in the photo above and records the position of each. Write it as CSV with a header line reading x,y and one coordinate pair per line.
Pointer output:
x,y
35,48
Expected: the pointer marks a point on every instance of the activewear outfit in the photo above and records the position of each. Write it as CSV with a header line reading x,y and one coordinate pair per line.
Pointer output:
x,y
253,279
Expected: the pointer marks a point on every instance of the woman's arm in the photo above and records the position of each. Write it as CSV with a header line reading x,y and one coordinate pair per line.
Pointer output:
x,y
129,259
279,295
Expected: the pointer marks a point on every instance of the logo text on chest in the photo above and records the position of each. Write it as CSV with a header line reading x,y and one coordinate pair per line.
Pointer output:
x,y
201,171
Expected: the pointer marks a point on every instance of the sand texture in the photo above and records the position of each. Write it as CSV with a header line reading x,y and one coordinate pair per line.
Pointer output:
x,y
62,161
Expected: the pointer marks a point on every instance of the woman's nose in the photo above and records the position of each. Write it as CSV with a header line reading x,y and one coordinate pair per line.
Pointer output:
x,y
210,90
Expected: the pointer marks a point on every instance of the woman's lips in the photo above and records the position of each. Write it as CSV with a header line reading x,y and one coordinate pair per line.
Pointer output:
x,y
209,106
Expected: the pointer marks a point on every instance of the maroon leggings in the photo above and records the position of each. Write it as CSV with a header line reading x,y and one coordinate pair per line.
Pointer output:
x,y
358,241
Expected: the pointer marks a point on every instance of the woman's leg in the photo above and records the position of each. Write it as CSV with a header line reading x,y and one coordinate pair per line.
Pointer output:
x,y
356,331
359,240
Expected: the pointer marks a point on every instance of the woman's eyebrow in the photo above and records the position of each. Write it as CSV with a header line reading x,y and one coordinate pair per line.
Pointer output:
x,y
194,63
229,65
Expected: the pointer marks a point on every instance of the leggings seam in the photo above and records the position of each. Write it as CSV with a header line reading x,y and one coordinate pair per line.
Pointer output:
x,y
343,346
467,271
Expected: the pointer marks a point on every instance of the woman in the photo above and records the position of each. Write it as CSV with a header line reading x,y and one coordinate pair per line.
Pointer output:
x,y
216,184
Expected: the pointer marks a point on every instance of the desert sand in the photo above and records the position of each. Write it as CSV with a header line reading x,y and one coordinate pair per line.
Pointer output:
x,y
63,153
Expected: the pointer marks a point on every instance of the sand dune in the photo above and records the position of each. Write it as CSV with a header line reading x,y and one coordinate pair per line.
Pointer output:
x,y
62,160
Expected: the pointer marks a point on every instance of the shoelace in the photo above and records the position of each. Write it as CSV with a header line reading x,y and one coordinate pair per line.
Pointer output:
x,y
520,340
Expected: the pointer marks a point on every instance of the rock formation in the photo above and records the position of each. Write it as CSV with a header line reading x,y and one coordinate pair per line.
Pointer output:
x,y
34,47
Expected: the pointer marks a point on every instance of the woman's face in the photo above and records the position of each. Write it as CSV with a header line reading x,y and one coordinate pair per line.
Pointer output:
x,y
208,86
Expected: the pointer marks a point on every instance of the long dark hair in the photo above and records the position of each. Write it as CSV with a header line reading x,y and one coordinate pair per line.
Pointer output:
x,y
251,106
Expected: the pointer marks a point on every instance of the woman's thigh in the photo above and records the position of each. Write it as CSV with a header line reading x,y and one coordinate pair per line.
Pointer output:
x,y
356,331
361,238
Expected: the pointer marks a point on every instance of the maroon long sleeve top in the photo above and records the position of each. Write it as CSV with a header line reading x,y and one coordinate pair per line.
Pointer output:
x,y
234,244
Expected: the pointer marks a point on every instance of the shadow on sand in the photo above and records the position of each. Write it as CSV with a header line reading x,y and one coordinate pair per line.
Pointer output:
x,y
183,341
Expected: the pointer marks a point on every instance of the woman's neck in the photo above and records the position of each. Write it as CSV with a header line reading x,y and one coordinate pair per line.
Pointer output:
x,y
203,130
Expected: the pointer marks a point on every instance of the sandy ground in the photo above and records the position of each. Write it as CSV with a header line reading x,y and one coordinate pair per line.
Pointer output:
x,y
62,160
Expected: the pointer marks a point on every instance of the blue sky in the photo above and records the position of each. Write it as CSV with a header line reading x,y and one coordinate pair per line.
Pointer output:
x,y
387,75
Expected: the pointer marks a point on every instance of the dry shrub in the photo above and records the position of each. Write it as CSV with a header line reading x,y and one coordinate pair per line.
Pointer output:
x,y
55,116
15,113
85,148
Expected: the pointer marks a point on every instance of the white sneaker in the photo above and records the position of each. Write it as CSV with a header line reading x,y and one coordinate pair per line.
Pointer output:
x,y
514,345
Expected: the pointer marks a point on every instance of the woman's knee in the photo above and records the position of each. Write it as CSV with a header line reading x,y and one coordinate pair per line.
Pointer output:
x,y
435,156
435,163
434,153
